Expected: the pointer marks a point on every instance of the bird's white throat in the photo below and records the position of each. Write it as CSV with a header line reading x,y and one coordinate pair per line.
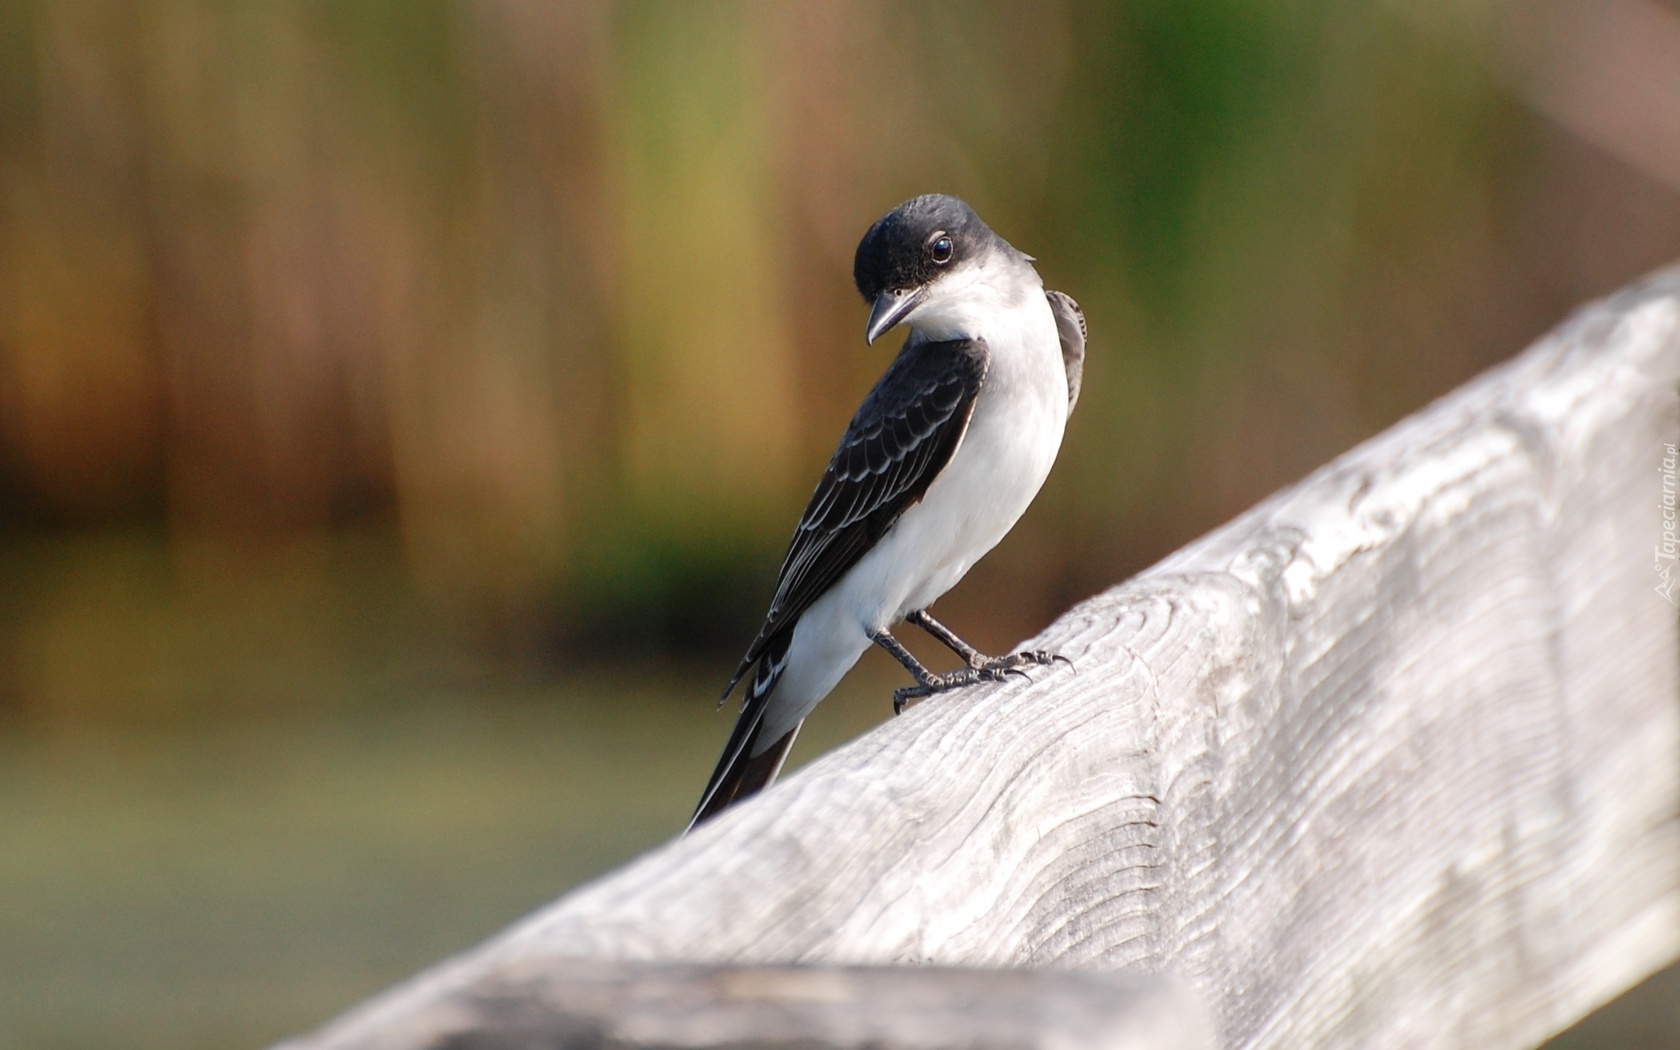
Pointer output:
x,y
973,301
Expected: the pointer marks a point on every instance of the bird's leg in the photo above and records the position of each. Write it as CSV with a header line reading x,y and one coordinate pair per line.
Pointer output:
x,y
904,656
990,667
981,668
927,683
971,656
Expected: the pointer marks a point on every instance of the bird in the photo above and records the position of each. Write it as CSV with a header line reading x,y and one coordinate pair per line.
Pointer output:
x,y
940,461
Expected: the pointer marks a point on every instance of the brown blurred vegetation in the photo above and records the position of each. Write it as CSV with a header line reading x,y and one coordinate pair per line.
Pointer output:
x,y
557,296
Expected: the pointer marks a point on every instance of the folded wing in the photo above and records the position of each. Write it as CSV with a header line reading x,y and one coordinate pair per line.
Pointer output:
x,y
901,438
1070,328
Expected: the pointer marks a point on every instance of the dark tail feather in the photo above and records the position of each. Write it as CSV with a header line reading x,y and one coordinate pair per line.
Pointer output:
x,y
742,774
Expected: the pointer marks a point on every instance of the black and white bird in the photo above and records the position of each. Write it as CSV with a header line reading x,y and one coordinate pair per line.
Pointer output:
x,y
936,467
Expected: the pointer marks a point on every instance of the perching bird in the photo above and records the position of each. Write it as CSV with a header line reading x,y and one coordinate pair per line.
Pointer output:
x,y
936,467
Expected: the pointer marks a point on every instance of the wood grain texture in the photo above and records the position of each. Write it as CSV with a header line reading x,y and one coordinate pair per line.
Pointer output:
x,y
593,1003
1393,759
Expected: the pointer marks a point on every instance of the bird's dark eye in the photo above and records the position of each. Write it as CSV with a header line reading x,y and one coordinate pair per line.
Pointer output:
x,y
940,250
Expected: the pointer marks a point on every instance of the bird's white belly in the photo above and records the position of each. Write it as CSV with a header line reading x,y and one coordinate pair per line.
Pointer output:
x,y
999,468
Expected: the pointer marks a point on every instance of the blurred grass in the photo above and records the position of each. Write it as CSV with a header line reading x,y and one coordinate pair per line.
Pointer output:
x,y
221,887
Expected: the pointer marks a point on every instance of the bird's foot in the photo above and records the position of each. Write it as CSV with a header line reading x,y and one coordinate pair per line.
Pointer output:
x,y
933,684
982,669
995,667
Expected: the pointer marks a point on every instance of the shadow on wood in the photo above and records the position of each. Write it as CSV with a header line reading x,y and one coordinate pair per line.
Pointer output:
x,y
1392,759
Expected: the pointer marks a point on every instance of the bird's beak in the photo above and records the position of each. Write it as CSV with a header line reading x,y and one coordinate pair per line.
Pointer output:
x,y
891,307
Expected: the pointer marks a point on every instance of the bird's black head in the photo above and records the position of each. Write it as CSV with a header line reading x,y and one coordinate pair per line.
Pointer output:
x,y
910,246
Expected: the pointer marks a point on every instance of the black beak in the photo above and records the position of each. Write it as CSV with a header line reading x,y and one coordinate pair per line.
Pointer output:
x,y
891,307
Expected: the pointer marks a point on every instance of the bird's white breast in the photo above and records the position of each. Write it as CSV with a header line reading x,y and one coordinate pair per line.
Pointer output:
x,y
1004,457
1011,443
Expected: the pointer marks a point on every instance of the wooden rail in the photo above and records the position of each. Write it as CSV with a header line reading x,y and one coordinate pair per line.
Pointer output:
x,y
1393,759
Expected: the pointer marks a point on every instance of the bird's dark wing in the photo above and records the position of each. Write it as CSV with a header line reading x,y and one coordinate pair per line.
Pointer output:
x,y
1070,328
901,438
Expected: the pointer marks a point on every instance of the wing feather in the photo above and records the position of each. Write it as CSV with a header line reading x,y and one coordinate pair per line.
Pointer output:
x,y
901,438
1070,328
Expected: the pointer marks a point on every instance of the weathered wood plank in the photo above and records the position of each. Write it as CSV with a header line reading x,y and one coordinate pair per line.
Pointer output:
x,y
1393,759
595,1003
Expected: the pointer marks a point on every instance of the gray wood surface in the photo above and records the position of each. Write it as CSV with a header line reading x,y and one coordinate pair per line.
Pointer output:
x,y
594,1003
1393,759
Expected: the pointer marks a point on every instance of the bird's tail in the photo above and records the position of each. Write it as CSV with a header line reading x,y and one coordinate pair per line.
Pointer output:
x,y
742,775
747,767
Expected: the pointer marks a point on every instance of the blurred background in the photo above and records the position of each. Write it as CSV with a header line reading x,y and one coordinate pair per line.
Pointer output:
x,y
404,404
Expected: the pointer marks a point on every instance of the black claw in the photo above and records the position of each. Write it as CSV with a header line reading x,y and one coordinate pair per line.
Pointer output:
x,y
909,693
